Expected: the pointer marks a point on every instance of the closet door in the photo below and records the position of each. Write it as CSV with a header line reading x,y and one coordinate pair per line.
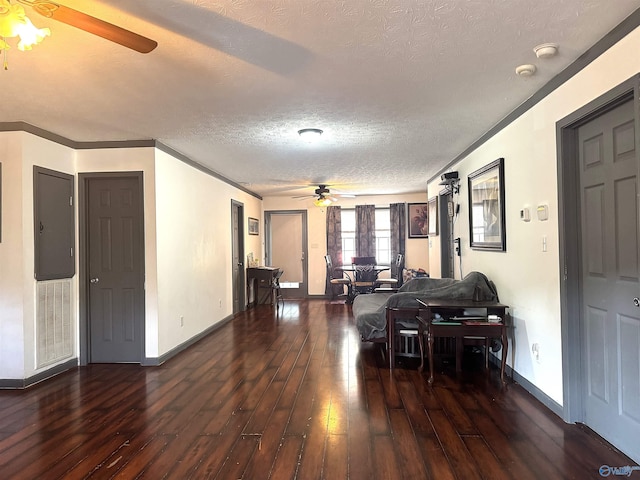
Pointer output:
x,y
54,225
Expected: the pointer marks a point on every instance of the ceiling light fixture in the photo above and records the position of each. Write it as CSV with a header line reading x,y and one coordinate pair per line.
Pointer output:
x,y
310,134
15,23
526,70
322,202
546,50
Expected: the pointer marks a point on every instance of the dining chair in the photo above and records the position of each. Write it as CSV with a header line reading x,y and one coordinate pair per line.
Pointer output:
x,y
342,280
365,277
395,281
366,260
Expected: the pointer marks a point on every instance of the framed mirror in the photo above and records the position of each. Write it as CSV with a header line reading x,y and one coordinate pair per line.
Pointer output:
x,y
486,208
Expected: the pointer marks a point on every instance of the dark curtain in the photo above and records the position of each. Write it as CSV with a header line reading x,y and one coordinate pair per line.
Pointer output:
x,y
334,245
365,230
398,215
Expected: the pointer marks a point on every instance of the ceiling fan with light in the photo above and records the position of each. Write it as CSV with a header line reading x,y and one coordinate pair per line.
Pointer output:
x,y
15,23
323,196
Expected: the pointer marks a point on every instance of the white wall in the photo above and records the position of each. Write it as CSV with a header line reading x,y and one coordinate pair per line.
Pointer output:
x,y
20,153
187,244
12,266
416,255
528,278
135,160
194,249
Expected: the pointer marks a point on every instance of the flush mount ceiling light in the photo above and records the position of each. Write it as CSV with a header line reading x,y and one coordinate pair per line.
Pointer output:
x,y
526,70
546,50
310,134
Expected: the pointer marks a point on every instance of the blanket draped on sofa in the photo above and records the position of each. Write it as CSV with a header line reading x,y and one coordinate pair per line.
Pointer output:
x,y
370,310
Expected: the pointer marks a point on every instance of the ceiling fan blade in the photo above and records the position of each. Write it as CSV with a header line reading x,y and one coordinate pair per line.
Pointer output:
x,y
93,25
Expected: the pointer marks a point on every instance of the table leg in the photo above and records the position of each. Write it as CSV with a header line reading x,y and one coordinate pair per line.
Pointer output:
x,y
391,325
421,345
459,352
505,348
487,343
430,353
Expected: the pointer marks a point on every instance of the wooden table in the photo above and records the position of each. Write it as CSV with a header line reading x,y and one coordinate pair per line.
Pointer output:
x,y
459,328
260,285
351,291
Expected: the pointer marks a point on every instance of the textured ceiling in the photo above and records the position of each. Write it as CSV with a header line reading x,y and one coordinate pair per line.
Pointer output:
x,y
400,88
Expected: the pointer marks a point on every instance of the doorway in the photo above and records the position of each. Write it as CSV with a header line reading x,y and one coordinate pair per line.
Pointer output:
x,y
599,168
237,256
286,248
111,268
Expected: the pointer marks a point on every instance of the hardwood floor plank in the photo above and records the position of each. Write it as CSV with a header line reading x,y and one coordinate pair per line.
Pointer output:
x,y
488,464
391,395
269,445
336,459
378,415
386,465
434,458
287,461
455,411
359,445
313,451
221,446
455,450
406,445
142,458
501,447
237,461
292,395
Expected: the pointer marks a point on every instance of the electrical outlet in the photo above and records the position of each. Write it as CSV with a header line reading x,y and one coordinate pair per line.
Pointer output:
x,y
181,321
220,303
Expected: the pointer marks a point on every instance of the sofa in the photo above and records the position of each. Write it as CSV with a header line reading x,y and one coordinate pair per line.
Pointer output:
x,y
372,311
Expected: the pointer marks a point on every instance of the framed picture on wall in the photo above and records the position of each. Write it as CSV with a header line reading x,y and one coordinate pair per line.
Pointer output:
x,y
487,210
433,216
418,220
254,226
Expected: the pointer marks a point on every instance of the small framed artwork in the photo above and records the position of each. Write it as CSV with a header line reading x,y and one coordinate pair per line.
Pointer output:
x,y
433,216
487,210
254,226
418,220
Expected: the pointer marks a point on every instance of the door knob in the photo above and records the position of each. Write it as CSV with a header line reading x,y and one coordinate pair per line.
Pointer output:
x,y
636,302
94,280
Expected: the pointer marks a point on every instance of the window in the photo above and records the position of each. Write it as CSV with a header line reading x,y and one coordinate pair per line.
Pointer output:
x,y
348,234
383,235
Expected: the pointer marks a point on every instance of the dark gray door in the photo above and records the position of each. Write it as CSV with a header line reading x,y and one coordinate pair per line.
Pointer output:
x,y
237,256
610,277
115,269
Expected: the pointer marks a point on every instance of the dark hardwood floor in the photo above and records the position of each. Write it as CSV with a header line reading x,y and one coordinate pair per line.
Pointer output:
x,y
293,396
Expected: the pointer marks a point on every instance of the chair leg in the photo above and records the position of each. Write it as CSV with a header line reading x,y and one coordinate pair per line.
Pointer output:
x,y
279,298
